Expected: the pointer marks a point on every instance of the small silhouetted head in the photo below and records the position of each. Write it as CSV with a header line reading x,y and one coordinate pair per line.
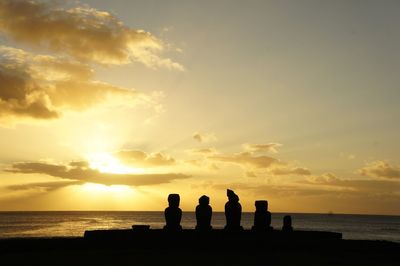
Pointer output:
x,y
204,200
261,205
287,221
173,200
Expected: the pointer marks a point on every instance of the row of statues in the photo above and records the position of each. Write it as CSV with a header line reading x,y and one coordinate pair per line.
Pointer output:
x,y
233,213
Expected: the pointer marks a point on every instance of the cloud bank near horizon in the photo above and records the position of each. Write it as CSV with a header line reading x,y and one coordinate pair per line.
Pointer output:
x,y
81,172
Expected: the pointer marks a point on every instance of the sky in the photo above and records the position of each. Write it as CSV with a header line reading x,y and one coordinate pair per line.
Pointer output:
x,y
113,105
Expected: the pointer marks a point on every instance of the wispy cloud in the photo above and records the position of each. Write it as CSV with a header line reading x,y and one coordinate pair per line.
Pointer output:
x,y
247,159
268,147
255,164
326,184
380,169
44,186
204,137
203,151
140,158
289,171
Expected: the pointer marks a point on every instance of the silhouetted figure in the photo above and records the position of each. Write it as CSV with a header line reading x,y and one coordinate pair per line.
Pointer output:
x,y
287,224
233,211
262,217
173,213
203,214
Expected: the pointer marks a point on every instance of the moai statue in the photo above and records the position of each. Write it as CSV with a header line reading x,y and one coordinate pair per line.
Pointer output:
x,y
262,217
173,213
233,211
287,224
203,214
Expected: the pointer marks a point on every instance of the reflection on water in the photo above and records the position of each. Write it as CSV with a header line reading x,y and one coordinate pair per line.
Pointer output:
x,y
51,224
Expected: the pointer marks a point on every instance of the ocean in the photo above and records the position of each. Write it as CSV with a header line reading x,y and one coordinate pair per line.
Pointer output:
x,y
74,223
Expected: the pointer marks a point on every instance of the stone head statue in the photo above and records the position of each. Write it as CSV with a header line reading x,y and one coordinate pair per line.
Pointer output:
x,y
204,200
173,200
261,205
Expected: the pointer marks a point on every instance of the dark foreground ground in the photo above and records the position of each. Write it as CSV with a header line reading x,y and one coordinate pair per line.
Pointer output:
x,y
79,251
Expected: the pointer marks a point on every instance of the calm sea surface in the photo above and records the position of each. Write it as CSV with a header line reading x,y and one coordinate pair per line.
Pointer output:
x,y
52,224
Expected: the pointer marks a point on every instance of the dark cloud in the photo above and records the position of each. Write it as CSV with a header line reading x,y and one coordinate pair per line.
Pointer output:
x,y
380,169
140,158
42,87
20,95
80,172
81,32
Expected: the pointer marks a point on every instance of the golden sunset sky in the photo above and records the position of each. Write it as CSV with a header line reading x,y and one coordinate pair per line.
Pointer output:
x,y
112,105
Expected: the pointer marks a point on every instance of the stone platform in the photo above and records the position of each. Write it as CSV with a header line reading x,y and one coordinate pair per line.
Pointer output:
x,y
217,238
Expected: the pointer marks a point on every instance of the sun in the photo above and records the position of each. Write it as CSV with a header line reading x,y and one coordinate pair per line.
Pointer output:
x,y
106,163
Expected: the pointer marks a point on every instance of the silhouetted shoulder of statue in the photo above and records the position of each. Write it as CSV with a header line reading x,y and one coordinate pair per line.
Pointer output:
x,y
262,217
203,214
173,213
233,211
287,224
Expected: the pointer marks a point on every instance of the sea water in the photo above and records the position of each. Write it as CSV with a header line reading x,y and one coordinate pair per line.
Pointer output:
x,y
70,224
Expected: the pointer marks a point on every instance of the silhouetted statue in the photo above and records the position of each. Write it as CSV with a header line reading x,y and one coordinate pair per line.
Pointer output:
x,y
173,213
203,214
287,224
233,211
262,217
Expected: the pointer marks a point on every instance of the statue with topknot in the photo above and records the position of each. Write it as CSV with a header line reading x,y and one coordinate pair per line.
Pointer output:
x,y
233,212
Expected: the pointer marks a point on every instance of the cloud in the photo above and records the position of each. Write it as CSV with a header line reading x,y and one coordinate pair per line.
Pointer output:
x,y
250,174
326,184
204,137
81,32
140,158
289,171
326,178
252,163
363,186
269,147
380,169
278,191
247,159
204,151
45,186
80,172
43,87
